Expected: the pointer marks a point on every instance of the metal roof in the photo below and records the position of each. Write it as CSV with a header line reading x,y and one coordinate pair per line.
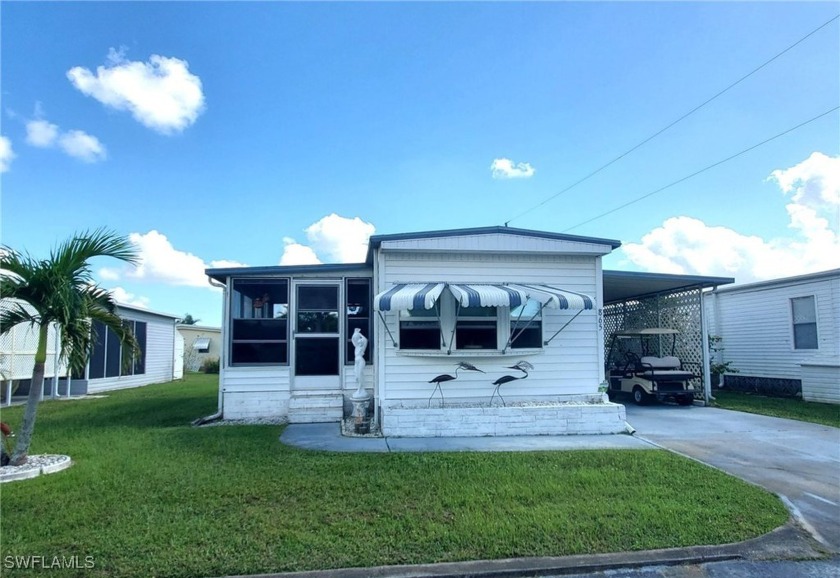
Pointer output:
x,y
773,283
281,270
376,240
126,307
626,285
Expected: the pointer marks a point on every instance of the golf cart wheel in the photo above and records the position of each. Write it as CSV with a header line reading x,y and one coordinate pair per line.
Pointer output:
x,y
639,396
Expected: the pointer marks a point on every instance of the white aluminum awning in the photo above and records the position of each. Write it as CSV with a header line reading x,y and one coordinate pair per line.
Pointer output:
x,y
405,296
555,298
201,343
475,295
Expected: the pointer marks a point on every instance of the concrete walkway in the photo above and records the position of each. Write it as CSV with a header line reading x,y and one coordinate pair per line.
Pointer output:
x,y
327,436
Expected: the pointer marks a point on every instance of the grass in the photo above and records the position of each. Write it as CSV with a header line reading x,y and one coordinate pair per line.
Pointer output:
x,y
821,413
150,496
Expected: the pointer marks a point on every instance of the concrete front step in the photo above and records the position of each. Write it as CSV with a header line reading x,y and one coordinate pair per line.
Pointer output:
x,y
309,407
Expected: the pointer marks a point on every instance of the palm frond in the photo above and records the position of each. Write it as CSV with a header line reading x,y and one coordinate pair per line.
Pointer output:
x,y
72,256
13,313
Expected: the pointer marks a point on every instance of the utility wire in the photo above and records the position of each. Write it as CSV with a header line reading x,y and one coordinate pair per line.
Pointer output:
x,y
703,170
683,117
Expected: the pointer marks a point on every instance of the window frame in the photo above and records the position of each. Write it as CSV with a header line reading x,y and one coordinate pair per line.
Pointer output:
x,y
436,318
103,351
350,351
461,317
449,314
794,324
237,309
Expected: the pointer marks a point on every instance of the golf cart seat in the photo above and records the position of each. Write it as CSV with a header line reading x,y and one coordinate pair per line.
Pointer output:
x,y
667,367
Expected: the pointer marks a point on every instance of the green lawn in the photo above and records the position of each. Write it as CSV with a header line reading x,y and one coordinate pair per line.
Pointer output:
x,y
822,413
151,496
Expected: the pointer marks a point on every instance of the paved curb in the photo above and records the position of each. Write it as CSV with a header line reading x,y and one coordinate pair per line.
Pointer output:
x,y
786,542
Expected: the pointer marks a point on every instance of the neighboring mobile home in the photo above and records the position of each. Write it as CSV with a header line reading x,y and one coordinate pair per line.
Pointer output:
x,y
201,344
783,336
155,333
427,301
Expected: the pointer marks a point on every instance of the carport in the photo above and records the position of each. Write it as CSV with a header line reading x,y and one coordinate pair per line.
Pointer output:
x,y
634,300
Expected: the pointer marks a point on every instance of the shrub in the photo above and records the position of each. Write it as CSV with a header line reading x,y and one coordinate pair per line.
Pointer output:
x,y
210,365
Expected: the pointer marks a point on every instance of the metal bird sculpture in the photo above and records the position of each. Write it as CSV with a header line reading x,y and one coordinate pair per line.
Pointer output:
x,y
446,377
522,366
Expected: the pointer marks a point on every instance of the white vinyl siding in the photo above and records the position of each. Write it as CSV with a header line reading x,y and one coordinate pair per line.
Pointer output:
x,y
756,324
821,381
258,391
160,354
566,367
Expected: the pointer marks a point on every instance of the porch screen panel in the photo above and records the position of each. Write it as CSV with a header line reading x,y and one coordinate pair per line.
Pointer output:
x,y
140,358
260,322
359,306
113,354
96,368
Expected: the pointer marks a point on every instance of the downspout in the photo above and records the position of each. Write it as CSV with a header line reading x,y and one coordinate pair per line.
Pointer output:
x,y
222,354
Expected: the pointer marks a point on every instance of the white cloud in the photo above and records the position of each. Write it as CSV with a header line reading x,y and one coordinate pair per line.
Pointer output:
x,y
161,94
339,239
334,238
40,133
503,168
75,143
122,296
296,254
160,262
80,145
6,154
226,264
687,245
814,182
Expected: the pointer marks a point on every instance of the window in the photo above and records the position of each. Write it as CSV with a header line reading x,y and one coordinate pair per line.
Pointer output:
x,y
419,329
476,328
358,297
260,321
96,368
804,322
108,357
201,345
526,325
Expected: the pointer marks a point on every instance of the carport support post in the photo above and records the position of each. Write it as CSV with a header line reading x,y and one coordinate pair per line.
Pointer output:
x,y
704,330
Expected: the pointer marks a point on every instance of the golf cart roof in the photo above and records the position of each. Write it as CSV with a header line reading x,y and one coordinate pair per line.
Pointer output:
x,y
647,331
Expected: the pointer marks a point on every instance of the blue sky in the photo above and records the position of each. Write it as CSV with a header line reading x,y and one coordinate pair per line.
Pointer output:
x,y
261,133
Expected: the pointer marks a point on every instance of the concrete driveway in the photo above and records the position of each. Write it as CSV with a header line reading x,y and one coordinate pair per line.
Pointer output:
x,y
799,461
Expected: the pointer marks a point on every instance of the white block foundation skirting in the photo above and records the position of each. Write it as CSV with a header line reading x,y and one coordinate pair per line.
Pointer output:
x,y
522,420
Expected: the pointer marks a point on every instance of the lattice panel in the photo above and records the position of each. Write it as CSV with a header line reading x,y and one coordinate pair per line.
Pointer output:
x,y
680,311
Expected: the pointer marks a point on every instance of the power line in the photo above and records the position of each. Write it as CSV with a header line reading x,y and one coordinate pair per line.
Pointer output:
x,y
704,169
683,117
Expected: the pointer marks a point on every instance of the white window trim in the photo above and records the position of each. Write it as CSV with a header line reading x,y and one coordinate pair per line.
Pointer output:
x,y
791,331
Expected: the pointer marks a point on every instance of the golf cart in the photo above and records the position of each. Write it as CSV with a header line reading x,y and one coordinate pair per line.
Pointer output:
x,y
641,363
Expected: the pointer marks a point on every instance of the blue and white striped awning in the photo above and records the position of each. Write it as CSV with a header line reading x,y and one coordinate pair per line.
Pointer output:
x,y
408,296
474,295
554,298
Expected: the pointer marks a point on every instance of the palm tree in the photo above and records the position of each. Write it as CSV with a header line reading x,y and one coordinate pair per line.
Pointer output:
x,y
60,291
189,320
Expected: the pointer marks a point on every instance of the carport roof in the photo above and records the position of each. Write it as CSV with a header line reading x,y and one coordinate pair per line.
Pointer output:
x,y
626,285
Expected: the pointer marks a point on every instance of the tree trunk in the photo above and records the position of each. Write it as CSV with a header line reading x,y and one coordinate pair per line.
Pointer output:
x,y
24,435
